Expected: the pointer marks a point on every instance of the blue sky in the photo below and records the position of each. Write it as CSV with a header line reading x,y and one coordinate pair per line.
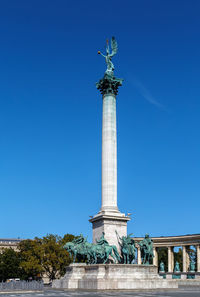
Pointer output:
x,y
50,114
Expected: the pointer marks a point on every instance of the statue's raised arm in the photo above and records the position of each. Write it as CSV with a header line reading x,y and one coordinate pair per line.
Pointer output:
x,y
108,56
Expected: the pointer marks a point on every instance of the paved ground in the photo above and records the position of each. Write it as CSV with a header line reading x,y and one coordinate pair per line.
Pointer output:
x,y
184,292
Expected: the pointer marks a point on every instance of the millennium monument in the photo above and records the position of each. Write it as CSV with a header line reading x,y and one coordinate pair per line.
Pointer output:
x,y
109,262
109,219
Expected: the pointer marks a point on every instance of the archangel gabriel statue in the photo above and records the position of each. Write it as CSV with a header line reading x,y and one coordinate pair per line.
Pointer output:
x,y
108,56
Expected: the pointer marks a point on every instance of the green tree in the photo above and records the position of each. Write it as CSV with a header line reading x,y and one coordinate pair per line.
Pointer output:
x,y
54,257
45,256
10,264
31,254
67,238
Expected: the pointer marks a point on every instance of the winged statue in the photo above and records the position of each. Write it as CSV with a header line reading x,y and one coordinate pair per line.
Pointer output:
x,y
108,56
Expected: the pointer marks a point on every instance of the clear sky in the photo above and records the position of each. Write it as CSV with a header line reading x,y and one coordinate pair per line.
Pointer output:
x,y
50,114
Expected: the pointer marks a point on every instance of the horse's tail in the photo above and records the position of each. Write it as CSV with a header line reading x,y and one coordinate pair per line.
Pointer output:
x,y
116,253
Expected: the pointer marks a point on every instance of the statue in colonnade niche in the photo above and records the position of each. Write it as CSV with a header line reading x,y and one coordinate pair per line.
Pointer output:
x,y
162,267
146,246
192,266
128,248
177,267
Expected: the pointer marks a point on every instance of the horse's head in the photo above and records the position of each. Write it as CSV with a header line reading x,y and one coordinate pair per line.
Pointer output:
x,y
69,246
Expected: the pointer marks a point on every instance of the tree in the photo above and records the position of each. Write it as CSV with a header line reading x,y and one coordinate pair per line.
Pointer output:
x,y
10,264
31,253
54,257
45,256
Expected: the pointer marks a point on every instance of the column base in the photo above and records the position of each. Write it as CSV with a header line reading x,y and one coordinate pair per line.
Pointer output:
x,y
109,221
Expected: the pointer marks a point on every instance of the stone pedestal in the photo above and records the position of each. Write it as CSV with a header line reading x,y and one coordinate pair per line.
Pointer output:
x,y
112,277
109,223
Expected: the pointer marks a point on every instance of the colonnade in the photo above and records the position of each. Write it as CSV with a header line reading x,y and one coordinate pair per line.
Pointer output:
x,y
186,260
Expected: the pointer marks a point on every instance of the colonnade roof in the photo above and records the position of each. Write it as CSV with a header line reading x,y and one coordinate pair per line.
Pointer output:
x,y
180,240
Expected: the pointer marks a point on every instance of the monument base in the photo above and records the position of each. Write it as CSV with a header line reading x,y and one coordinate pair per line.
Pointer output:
x,y
112,277
109,222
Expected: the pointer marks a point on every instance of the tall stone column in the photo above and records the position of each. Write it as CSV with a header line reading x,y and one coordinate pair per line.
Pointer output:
x,y
184,259
109,154
170,259
155,258
109,220
198,257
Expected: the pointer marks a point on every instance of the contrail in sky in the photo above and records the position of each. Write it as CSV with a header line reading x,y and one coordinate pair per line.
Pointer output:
x,y
146,94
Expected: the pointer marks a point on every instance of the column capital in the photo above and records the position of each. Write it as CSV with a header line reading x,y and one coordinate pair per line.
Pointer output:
x,y
109,84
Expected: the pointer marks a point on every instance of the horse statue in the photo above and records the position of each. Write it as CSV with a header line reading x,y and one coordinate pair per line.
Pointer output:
x,y
146,246
78,248
101,252
128,248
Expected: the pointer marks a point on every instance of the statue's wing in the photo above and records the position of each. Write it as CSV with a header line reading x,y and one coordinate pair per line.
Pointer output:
x,y
113,46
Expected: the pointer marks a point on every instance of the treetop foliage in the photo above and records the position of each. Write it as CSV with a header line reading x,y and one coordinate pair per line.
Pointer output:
x,y
36,258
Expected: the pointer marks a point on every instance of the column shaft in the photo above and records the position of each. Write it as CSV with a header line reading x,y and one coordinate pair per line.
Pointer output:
x,y
109,154
155,258
172,258
184,259
170,268
198,257
187,258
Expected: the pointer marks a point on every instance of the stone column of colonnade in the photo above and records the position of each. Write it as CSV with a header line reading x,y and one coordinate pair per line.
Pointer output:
x,y
187,257
155,258
198,257
184,259
170,259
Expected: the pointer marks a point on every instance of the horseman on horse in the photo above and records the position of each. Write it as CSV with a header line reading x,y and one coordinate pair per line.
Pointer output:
x,y
127,245
78,248
106,250
92,253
